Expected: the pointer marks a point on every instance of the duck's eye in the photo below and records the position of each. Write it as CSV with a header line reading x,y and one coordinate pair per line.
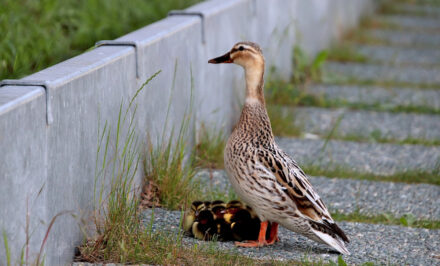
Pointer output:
x,y
241,48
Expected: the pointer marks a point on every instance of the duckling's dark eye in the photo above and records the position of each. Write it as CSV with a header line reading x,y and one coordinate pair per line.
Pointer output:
x,y
241,48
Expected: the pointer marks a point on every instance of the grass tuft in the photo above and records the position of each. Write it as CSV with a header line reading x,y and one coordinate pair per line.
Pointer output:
x,y
118,232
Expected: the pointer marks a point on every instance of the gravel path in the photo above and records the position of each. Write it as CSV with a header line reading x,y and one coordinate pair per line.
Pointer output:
x,y
400,55
368,197
369,243
389,97
384,159
404,38
370,72
366,124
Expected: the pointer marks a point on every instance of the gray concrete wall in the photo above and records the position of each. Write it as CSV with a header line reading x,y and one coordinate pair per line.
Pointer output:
x,y
51,166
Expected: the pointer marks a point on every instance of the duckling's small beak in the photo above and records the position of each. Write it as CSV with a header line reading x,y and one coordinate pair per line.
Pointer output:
x,y
226,58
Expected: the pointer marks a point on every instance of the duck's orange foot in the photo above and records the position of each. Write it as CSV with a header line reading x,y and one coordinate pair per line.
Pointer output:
x,y
251,244
273,234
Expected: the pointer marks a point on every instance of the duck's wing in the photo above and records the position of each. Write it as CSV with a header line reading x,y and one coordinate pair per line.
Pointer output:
x,y
295,185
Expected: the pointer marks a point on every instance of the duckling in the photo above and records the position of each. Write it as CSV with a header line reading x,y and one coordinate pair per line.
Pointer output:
x,y
233,206
244,226
219,210
190,216
223,229
204,227
207,204
263,175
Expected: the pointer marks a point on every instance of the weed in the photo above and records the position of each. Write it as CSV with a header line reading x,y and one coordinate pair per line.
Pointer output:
x,y
116,215
407,220
7,251
304,69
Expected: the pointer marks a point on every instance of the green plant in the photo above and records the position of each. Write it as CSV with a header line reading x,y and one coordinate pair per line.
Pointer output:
x,y
116,215
7,251
166,166
305,70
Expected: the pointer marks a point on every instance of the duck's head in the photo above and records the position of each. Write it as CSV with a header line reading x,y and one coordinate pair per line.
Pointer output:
x,y
245,54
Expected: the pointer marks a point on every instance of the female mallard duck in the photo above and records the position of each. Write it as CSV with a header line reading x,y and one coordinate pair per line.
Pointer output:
x,y
264,176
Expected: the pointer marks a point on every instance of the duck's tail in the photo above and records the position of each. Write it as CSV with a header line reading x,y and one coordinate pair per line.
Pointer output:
x,y
330,234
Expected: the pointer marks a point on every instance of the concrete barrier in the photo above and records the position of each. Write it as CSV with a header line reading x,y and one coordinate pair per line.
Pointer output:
x,y
48,135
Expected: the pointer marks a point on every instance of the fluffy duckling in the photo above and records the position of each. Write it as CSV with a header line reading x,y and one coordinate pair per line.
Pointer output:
x,y
190,215
244,226
204,227
223,229
263,175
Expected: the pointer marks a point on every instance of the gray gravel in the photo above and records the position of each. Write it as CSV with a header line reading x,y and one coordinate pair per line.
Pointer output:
x,y
417,23
368,197
366,124
369,243
400,55
383,159
404,38
404,74
388,97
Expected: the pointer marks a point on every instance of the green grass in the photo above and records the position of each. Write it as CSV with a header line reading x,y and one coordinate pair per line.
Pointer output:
x,y
209,149
387,219
49,31
410,176
376,137
282,122
334,79
283,93
346,53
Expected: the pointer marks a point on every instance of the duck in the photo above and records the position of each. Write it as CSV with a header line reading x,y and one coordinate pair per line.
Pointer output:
x,y
263,175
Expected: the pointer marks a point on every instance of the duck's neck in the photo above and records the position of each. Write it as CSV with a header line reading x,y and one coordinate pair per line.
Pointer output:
x,y
255,83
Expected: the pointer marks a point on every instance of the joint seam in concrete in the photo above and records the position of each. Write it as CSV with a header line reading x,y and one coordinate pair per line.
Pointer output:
x,y
123,43
191,13
45,84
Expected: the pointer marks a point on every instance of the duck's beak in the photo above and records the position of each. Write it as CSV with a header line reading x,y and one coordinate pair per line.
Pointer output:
x,y
226,58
